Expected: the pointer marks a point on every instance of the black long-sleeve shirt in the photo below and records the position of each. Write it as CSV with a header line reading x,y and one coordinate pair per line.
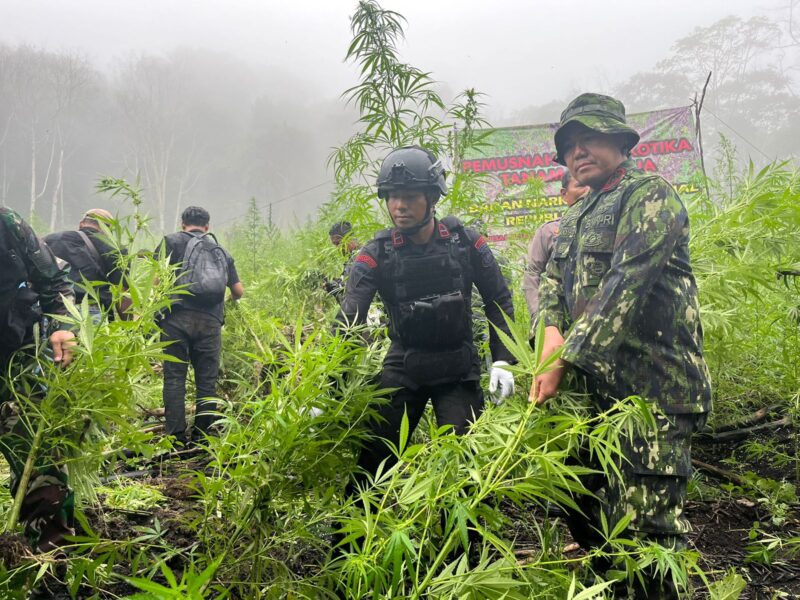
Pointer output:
x,y
69,246
369,276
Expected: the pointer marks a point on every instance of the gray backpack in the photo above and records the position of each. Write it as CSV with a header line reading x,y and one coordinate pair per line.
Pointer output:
x,y
204,270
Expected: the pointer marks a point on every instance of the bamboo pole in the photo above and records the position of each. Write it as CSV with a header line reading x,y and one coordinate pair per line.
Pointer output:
x,y
22,488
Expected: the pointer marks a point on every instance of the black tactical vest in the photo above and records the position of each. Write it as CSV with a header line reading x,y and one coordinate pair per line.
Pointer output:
x,y
428,295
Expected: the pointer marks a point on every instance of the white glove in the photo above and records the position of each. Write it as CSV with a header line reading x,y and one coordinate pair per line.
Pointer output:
x,y
501,382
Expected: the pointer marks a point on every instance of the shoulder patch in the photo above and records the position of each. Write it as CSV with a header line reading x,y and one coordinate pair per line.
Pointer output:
x,y
480,242
367,260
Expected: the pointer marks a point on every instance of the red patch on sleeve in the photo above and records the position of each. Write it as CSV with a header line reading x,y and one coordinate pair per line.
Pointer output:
x,y
444,232
367,260
480,243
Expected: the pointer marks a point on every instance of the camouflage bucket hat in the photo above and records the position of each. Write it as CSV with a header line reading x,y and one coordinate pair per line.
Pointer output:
x,y
598,113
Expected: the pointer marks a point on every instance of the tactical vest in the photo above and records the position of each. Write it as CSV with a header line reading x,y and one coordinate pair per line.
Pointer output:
x,y
427,295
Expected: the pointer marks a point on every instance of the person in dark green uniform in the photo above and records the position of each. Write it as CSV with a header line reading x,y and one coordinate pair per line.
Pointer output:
x,y
32,283
620,300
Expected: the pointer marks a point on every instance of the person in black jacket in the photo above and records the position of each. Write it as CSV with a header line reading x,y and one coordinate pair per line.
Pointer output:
x,y
424,269
91,258
33,283
193,327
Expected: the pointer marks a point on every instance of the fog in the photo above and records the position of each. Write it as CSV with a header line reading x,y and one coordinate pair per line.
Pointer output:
x,y
217,102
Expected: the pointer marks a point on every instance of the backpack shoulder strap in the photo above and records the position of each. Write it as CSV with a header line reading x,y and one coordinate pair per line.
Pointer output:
x,y
92,250
190,246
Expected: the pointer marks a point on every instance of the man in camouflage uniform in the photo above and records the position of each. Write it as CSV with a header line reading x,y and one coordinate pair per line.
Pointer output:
x,y
621,292
32,283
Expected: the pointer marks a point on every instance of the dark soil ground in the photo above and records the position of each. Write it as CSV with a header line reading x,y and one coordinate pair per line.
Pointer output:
x,y
722,537
723,526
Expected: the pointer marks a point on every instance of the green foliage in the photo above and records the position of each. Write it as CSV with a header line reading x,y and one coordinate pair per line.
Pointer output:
x,y
131,496
268,516
739,243
729,587
399,106
192,585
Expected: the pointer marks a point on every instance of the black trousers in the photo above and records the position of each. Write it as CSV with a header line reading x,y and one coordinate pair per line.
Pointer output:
x,y
195,338
457,404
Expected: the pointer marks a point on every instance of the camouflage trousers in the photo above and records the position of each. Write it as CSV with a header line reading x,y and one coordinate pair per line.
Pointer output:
x,y
651,489
48,506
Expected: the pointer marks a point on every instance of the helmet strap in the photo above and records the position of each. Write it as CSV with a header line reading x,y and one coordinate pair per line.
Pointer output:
x,y
425,220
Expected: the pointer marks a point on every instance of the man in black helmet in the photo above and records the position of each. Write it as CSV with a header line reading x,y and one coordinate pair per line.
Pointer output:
x,y
424,269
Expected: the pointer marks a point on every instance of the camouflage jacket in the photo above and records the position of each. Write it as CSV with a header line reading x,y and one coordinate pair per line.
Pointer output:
x,y
620,285
25,258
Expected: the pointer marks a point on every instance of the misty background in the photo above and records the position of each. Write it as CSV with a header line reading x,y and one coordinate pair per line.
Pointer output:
x,y
213,103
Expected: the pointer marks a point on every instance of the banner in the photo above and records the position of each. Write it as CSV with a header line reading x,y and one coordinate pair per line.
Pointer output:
x,y
514,156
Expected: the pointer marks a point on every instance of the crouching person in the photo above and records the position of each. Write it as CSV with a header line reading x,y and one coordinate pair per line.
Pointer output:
x,y
91,259
32,283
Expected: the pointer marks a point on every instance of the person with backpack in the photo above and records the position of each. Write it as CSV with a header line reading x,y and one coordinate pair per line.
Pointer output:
x,y
424,269
91,258
193,326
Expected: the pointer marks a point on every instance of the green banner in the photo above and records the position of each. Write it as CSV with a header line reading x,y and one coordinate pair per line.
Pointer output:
x,y
513,156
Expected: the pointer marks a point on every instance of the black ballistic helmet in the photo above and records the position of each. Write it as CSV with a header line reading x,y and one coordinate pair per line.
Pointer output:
x,y
412,168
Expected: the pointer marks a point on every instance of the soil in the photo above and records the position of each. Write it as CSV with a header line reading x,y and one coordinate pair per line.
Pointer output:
x,y
722,527
721,535
14,550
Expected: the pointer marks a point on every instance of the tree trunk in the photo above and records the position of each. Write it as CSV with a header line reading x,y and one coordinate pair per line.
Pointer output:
x,y
33,175
178,202
4,183
57,190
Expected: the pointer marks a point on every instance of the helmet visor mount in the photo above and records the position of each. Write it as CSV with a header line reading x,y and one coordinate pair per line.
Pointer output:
x,y
400,177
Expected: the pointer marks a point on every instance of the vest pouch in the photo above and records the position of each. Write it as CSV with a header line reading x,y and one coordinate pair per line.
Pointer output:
x,y
18,313
434,323
431,368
